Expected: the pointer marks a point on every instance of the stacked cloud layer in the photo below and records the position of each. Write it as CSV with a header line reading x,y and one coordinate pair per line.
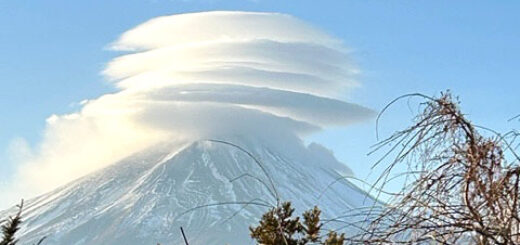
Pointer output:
x,y
201,75
205,67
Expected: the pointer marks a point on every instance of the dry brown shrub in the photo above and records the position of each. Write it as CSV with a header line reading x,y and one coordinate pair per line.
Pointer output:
x,y
463,188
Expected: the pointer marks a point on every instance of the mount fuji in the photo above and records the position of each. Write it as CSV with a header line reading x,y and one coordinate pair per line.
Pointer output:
x,y
213,189
256,84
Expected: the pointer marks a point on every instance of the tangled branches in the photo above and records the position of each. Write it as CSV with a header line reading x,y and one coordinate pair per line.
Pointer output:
x,y
464,187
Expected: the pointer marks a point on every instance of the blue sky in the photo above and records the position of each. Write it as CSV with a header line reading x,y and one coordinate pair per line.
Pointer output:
x,y
52,52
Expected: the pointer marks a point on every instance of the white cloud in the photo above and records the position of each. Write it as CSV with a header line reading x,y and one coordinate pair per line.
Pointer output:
x,y
187,29
199,75
19,150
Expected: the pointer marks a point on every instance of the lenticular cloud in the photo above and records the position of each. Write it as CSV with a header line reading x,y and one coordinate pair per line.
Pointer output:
x,y
220,69
201,75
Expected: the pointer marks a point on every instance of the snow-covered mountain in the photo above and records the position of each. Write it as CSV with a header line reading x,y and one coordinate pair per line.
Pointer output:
x,y
262,81
145,198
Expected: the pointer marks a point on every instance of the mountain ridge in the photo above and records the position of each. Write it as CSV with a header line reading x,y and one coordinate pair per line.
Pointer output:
x,y
146,197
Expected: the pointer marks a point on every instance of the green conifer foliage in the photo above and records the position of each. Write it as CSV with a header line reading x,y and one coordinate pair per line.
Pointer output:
x,y
312,225
334,239
10,227
278,227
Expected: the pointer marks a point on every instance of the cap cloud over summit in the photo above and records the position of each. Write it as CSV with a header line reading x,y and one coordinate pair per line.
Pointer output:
x,y
200,75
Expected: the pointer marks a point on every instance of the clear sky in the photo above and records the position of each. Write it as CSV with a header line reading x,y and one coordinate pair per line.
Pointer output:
x,y
52,52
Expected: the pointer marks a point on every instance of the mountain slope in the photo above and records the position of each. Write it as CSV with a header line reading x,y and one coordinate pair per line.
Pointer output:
x,y
146,197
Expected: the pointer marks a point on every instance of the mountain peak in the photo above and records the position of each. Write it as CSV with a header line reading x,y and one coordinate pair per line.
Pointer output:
x,y
203,186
